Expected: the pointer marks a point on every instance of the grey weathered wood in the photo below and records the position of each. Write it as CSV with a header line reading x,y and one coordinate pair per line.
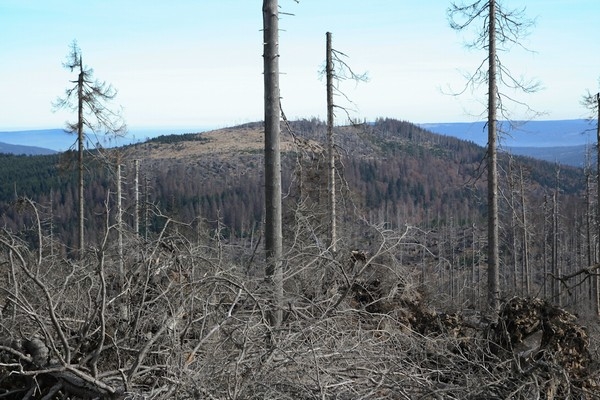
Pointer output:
x,y
330,147
273,213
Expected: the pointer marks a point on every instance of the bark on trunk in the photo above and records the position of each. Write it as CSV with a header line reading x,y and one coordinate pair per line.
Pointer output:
x,y
596,278
330,148
493,247
273,225
80,139
136,189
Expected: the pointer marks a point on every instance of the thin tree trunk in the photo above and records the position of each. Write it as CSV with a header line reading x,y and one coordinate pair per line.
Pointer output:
x,y
526,273
273,224
330,148
545,247
120,227
51,223
555,266
80,138
493,242
146,207
589,235
123,303
514,222
596,278
136,189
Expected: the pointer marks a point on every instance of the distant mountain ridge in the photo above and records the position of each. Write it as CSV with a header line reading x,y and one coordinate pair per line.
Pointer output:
x,y
61,140
560,141
576,156
53,139
551,133
6,148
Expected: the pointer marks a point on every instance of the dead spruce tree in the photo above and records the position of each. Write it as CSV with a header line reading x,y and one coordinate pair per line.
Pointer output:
x,y
502,29
273,225
336,71
330,146
89,98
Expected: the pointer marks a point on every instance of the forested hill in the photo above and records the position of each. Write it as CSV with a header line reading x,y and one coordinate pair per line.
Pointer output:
x,y
390,171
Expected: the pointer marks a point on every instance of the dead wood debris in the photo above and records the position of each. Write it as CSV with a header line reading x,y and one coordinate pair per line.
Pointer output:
x,y
542,339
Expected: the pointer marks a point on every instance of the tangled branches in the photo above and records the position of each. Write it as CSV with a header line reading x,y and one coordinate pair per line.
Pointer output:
x,y
190,321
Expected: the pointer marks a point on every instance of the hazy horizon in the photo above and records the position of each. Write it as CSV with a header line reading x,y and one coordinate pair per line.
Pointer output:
x,y
558,133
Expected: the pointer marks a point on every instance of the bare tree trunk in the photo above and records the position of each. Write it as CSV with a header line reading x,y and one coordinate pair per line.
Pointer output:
x,y
555,265
80,139
589,234
136,190
474,282
330,147
500,28
273,224
545,247
146,206
596,278
119,219
514,222
51,227
123,304
526,272
493,242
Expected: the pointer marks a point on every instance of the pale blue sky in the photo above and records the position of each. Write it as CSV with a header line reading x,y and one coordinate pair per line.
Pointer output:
x,y
198,63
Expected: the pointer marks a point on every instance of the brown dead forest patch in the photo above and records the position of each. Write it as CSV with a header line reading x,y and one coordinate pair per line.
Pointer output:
x,y
221,142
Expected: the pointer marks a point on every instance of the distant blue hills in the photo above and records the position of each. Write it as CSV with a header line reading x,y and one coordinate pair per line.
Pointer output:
x,y
58,140
6,148
51,139
562,141
571,132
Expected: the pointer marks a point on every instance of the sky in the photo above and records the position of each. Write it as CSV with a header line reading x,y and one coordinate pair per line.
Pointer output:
x,y
197,64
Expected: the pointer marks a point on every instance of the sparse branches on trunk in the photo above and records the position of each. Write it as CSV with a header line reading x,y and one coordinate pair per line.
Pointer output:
x,y
89,98
330,151
501,29
336,71
510,27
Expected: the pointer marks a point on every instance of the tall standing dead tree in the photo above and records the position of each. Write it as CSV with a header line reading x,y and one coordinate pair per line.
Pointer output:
x,y
273,215
330,146
336,70
501,28
88,97
592,103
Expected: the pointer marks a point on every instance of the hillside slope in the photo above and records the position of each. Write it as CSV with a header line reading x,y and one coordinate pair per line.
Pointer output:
x,y
396,171
27,150
390,171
